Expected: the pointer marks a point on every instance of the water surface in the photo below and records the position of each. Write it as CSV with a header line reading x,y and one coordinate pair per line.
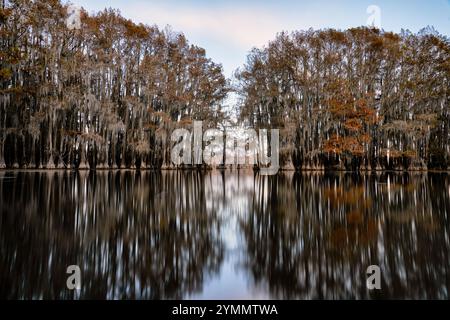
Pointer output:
x,y
223,235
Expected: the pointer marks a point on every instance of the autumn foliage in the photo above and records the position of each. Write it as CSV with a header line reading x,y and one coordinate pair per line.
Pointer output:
x,y
356,99
110,94
106,95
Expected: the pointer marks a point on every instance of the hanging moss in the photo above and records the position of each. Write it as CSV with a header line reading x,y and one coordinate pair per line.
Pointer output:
x,y
94,97
361,98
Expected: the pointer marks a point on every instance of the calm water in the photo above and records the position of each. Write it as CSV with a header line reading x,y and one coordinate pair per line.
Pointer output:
x,y
223,235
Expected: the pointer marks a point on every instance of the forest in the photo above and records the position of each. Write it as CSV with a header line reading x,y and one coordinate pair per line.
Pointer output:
x,y
355,100
109,94
105,95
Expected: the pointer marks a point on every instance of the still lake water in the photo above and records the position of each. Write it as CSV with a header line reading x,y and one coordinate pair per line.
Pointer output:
x,y
223,235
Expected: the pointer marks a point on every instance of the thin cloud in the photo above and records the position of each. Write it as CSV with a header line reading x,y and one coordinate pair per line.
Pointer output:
x,y
242,27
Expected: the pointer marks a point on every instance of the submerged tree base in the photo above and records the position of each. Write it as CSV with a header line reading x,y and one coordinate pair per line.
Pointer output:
x,y
239,168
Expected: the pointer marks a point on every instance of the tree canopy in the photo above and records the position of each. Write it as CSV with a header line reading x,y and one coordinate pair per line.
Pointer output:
x,y
110,93
359,98
105,95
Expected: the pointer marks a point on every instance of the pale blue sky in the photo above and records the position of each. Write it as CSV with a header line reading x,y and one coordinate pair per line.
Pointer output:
x,y
229,29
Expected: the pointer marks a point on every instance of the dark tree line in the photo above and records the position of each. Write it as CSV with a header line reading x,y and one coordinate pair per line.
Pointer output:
x,y
355,99
109,94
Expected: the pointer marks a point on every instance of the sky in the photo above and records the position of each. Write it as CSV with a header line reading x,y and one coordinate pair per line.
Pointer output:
x,y
228,30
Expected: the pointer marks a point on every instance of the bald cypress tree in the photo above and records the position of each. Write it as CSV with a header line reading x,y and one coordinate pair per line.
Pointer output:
x,y
107,94
355,99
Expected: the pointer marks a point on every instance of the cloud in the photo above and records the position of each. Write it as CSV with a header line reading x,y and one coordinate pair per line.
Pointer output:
x,y
242,27
228,29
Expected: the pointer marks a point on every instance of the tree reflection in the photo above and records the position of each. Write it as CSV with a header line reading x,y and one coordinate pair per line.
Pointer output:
x,y
164,235
314,235
134,235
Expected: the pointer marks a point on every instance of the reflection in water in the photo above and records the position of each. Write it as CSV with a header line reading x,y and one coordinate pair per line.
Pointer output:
x,y
133,235
314,236
223,235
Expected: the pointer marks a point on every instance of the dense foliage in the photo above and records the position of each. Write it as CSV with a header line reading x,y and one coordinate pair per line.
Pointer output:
x,y
110,93
105,95
353,99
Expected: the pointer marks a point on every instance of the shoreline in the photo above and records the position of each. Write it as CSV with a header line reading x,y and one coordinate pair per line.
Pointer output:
x,y
288,170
